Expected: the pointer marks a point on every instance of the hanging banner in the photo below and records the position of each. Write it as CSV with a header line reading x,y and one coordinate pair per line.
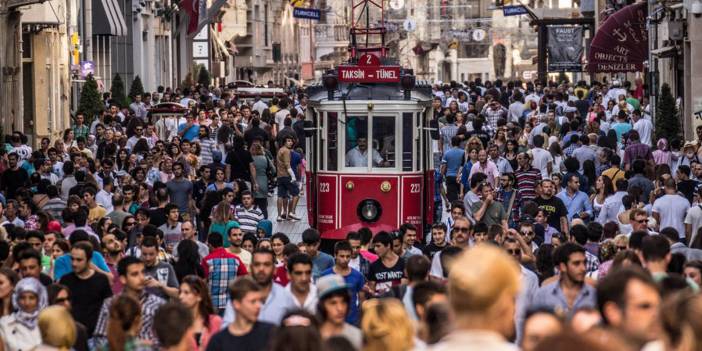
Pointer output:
x,y
621,42
565,48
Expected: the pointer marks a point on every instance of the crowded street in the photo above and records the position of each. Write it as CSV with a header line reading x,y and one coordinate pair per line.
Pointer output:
x,y
335,176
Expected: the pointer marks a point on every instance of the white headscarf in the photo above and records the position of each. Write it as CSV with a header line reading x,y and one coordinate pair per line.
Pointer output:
x,y
32,285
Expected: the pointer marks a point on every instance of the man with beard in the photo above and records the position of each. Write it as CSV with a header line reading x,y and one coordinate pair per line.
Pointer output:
x,y
461,234
113,249
236,238
569,293
554,208
88,287
131,274
276,300
14,177
628,300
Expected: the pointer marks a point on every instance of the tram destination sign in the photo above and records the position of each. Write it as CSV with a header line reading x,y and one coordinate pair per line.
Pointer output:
x,y
369,74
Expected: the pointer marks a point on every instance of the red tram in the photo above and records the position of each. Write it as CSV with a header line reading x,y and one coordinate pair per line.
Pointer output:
x,y
370,160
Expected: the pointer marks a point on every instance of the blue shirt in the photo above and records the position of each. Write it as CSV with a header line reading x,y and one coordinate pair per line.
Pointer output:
x,y
62,265
321,263
551,296
576,204
355,281
464,175
191,133
453,159
621,129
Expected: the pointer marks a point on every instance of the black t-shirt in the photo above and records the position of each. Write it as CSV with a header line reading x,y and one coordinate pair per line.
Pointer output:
x,y
12,180
45,280
87,296
255,133
687,187
257,339
157,216
554,208
386,277
239,160
432,249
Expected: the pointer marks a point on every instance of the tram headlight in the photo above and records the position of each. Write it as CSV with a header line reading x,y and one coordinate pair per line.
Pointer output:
x,y
369,210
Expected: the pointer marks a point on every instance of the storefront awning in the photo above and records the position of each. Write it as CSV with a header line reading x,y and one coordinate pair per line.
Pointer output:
x,y
108,18
621,43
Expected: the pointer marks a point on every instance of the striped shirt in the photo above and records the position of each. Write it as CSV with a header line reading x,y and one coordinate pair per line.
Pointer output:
x,y
221,268
207,145
149,304
248,219
448,132
526,184
55,207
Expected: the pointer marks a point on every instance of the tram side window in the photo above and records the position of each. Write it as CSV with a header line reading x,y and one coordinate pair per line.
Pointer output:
x,y
357,141
384,141
407,138
332,141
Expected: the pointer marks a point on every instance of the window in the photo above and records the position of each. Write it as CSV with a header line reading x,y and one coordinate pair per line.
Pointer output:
x,y
332,141
357,141
383,146
407,138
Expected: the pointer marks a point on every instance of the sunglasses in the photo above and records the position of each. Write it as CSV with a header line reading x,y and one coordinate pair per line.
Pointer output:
x,y
61,300
528,233
642,221
514,252
620,248
461,229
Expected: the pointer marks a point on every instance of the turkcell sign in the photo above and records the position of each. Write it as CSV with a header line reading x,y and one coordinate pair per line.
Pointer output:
x,y
369,74
312,14
514,10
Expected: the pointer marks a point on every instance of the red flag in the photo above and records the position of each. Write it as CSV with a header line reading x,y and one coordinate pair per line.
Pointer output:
x,y
192,7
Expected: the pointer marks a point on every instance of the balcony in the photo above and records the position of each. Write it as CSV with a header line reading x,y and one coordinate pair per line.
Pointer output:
x,y
331,35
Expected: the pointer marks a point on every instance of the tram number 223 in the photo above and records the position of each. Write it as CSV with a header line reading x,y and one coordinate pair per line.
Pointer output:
x,y
414,188
323,187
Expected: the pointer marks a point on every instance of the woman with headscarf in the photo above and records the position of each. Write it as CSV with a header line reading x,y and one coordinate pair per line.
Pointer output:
x,y
19,331
662,155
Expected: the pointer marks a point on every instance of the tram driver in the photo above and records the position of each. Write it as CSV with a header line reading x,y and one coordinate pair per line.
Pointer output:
x,y
358,156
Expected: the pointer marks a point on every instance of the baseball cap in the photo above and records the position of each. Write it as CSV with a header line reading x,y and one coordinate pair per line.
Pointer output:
x,y
329,284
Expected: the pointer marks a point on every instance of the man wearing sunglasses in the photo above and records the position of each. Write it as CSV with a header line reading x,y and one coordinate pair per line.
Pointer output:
x,y
530,283
461,236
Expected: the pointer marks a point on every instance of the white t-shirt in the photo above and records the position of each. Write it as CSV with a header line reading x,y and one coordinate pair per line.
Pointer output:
x,y
672,210
694,219
644,127
280,117
541,159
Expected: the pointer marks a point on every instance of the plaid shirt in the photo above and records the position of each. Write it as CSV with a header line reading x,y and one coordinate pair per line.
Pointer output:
x,y
221,268
81,131
592,263
149,304
637,151
492,116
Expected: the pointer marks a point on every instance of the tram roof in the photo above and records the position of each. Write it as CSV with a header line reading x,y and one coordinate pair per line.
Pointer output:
x,y
421,93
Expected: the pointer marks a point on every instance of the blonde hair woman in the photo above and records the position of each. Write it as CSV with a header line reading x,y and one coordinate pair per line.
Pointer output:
x,y
57,328
386,326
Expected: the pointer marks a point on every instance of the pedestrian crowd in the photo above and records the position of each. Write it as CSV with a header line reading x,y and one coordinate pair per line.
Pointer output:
x,y
559,225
